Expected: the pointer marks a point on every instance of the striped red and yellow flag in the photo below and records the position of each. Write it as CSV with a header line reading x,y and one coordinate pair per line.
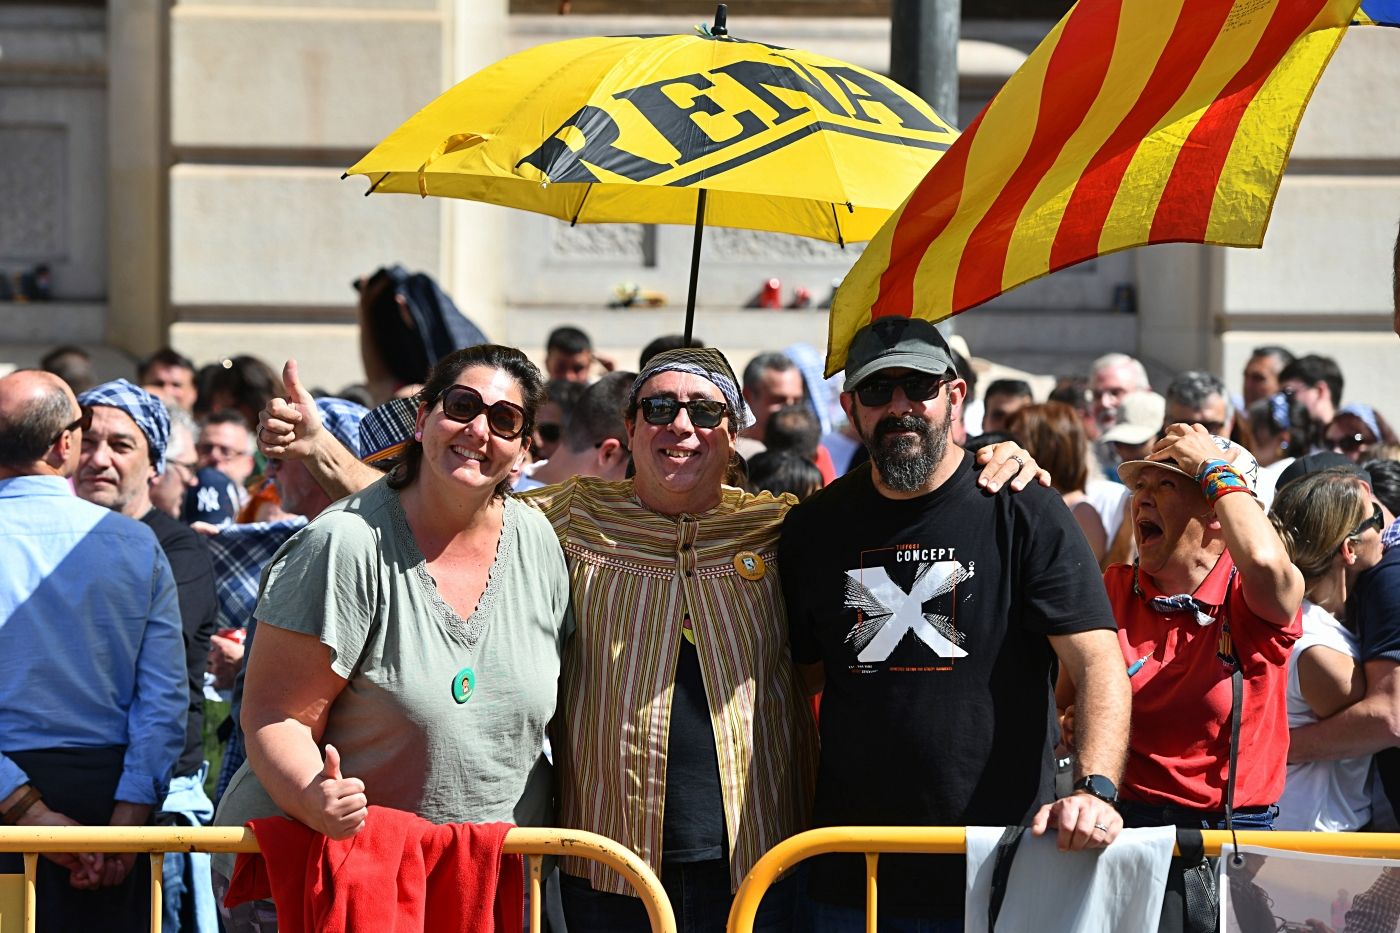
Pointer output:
x,y
1134,122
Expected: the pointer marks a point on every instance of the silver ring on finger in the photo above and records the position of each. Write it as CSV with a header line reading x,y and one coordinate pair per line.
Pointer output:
x,y
1020,464
1101,827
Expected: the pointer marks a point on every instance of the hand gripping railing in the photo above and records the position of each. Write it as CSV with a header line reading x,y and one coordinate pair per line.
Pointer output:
x,y
531,843
871,841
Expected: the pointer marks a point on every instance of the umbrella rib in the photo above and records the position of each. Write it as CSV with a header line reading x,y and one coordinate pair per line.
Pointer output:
x,y
582,201
836,221
376,184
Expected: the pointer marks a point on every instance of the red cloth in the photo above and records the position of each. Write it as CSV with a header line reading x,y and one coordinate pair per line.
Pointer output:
x,y
1179,747
825,465
451,877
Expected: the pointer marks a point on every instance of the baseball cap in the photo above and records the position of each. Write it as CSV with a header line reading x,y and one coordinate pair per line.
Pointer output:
x,y
1139,419
1316,463
896,343
1244,462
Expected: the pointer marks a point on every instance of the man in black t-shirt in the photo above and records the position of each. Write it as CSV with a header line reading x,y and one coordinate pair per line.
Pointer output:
x,y
932,612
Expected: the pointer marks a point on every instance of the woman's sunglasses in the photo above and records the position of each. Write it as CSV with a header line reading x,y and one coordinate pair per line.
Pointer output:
x,y
918,387
505,419
1349,443
703,412
1376,521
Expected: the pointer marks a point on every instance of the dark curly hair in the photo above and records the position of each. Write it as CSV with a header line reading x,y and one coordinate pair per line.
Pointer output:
x,y
444,375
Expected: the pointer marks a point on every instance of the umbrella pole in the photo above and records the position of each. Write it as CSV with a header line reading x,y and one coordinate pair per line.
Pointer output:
x,y
695,265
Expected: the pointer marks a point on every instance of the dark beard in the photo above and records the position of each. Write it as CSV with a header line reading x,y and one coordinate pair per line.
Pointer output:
x,y
905,464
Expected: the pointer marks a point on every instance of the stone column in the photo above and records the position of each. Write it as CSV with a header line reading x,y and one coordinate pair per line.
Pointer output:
x,y
138,155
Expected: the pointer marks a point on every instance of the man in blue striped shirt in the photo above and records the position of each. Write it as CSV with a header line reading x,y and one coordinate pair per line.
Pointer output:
x,y
93,691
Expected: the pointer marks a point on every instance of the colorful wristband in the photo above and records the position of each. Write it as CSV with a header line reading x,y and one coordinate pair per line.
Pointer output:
x,y
1226,491
1210,466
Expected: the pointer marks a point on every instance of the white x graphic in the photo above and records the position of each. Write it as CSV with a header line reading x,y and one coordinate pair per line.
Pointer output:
x,y
906,610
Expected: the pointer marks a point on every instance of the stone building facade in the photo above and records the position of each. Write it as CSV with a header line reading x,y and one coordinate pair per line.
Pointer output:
x,y
177,165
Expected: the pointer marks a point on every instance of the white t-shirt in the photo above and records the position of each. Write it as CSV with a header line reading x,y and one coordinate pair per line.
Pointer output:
x,y
1267,482
1326,796
1108,499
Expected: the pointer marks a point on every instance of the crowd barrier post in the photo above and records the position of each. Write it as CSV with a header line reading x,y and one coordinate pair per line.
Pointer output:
x,y
531,843
873,841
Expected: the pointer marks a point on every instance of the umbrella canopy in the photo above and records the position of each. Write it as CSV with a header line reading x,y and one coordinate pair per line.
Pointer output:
x,y
673,130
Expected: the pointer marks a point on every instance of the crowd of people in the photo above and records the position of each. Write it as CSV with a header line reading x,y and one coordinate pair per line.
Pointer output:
x,y
693,610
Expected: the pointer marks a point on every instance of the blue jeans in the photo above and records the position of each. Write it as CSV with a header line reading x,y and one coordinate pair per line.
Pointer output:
x,y
189,895
699,894
816,917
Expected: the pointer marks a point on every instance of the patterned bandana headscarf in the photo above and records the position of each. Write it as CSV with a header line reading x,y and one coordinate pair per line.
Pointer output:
x,y
705,362
144,408
342,418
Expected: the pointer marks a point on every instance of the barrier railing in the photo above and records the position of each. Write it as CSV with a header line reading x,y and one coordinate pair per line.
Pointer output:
x,y
531,843
872,841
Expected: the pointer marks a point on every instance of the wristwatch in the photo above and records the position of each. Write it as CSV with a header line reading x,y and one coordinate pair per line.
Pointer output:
x,y
1096,785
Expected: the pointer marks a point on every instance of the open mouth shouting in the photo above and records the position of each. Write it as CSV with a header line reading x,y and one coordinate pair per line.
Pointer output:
x,y
1148,532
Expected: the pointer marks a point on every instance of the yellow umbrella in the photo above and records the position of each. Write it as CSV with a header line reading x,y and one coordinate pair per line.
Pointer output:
x,y
703,129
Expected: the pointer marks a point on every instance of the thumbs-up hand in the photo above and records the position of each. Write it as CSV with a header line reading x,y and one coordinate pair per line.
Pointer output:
x,y
336,802
287,427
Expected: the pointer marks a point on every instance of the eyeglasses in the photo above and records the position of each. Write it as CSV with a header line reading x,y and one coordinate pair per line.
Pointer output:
x,y
918,387
506,420
220,451
1349,443
1376,521
703,412
549,432
82,423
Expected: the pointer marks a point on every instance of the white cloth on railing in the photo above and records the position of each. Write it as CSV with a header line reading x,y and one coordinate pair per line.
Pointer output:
x,y
1116,888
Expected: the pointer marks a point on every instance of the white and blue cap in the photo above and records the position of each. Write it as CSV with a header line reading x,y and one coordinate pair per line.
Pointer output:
x,y
1244,463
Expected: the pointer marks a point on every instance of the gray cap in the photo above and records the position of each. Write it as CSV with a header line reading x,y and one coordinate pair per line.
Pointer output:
x,y
896,343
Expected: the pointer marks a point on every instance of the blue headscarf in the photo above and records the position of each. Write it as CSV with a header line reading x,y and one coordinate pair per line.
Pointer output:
x,y
144,408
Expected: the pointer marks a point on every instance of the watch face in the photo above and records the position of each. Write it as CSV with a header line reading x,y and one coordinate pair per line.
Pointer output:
x,y
1099,786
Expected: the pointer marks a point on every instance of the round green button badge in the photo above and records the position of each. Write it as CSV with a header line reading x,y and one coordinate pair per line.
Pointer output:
x,y
463,685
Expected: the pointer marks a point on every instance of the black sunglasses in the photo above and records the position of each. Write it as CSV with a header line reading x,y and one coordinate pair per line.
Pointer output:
x,y
462,403
81,423
1349,443
703,412
549,432
1376,521
918,387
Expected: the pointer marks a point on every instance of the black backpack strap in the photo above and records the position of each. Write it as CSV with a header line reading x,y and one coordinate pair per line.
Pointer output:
x,y
1001,872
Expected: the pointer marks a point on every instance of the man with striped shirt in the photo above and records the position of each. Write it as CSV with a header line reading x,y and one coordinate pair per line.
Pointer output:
x,y
682,731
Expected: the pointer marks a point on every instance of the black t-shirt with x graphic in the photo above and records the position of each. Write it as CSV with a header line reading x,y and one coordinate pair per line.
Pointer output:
x,y
930,616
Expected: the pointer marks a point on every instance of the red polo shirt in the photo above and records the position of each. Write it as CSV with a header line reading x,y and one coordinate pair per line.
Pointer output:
x,y
1179,747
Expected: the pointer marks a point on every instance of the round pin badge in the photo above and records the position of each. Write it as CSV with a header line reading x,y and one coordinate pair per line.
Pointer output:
x,y
749,565
463,685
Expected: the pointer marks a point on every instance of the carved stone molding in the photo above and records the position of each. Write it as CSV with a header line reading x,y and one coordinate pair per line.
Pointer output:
x,y
33,193
600,242
756,246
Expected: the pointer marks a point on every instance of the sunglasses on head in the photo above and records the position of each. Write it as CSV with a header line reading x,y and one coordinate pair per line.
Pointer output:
x,y
918,387
462,403
1376,521
1349,443
81,423
703,412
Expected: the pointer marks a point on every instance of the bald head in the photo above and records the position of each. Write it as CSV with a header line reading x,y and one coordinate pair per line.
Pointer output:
x,y
35,408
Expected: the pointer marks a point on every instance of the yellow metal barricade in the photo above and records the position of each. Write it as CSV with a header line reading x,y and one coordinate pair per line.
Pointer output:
x,y
872,841
531,843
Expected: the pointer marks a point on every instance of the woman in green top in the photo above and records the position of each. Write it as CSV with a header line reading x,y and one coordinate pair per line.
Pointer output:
x,y
414,629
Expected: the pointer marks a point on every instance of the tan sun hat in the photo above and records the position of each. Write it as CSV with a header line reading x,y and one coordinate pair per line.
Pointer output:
x,y
1244,462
